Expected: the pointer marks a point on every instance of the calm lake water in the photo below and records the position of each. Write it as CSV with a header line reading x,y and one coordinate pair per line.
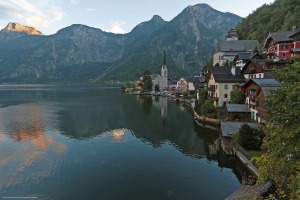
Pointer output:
x,y
94,142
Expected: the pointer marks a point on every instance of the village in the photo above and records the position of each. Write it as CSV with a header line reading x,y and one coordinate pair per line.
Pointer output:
x,y
229,96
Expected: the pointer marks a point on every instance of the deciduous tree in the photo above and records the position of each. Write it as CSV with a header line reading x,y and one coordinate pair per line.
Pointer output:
x,y
281,162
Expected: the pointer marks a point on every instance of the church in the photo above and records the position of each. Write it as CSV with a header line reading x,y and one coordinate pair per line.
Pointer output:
x,y
161,79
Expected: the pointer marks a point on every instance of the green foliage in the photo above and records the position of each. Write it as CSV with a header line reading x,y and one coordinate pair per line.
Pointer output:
x,y
282,15
237,97
249,138
156,87
208,65
202,96
281,162
128,85
147,81
208,109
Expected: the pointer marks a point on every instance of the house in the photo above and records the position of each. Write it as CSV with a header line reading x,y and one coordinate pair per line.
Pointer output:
x,y
262,68
186,84
238,112
242,58
228,129
257,89
221,81
199,83
227,50
283,45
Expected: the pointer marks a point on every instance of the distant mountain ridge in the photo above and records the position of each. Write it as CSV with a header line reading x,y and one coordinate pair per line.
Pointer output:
x,y
81,53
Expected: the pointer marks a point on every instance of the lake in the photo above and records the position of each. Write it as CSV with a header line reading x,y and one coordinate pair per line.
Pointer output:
x,y
94,142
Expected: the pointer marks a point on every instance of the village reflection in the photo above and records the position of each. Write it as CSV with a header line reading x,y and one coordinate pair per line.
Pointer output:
x,y
158,103
24,125
118,135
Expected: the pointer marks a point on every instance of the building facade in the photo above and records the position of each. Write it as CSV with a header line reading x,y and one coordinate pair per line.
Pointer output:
x,y
221,81
283,45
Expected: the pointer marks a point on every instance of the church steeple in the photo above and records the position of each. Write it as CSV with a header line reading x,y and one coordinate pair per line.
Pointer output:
x,y
165,59
164,72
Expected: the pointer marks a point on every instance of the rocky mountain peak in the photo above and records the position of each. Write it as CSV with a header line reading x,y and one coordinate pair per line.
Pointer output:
x,y
16,27
157,18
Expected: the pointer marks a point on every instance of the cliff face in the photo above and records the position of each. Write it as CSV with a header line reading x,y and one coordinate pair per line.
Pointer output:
x,y
82,53
15,27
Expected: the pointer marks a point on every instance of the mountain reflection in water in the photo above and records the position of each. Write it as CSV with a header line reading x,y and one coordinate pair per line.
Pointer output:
x,y
89,140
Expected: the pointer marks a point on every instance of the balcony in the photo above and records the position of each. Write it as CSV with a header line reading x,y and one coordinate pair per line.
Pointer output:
x,y
211,89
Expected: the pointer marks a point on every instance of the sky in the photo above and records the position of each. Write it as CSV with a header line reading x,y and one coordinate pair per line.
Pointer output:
x,y
117,16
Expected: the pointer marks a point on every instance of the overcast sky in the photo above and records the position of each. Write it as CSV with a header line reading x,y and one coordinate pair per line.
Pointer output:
x,y
118,16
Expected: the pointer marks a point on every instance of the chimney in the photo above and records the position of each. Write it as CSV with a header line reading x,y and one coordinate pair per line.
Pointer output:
x,y
294,28
233,70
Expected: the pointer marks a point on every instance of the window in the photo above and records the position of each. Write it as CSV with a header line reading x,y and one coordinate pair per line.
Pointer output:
x,y
226,87
225,95
216,87
283,55
232,86
284,46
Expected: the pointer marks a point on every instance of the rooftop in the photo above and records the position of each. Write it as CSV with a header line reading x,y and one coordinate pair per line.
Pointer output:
x,y
237,45
228,129
224,75
238,108
281,36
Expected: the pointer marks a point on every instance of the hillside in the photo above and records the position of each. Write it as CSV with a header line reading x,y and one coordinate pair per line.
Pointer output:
x,y
189,40
282,15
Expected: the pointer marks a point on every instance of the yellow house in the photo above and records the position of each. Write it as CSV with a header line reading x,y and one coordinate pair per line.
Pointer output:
x,y
221,81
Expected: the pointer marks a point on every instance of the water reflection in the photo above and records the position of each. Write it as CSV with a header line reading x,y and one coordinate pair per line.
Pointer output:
x,y
26,124
90,134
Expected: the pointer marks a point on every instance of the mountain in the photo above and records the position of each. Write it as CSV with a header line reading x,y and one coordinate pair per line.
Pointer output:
x,y
282,15
15,27
82,53
189,40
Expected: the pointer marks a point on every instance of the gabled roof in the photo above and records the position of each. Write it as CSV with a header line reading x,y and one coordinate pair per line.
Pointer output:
x,y
223,75
277,37
237,45
266,84
238,108
190,79
228,129
261,63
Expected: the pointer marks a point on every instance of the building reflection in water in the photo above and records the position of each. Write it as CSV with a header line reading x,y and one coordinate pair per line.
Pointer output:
x,y
118,135
160,103
24,126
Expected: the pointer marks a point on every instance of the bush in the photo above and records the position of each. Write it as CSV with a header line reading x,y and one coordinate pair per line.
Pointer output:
x,y
249,138
208,109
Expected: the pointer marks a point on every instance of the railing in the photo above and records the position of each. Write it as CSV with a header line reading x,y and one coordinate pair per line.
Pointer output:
x,y
212,89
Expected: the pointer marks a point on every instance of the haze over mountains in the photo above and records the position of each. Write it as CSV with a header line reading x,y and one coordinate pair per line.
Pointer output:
x,y
82,53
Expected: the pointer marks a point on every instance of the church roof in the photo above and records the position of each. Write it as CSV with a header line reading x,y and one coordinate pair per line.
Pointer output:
x,y
154,76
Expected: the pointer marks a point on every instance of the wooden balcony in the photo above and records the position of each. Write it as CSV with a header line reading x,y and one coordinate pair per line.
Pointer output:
x,y
211,89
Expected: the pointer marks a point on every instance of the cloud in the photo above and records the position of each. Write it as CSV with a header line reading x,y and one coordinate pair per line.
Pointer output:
x,y
118,27
29,14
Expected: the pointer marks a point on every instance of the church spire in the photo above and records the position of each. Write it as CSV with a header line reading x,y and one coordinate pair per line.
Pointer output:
x,y
165,59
